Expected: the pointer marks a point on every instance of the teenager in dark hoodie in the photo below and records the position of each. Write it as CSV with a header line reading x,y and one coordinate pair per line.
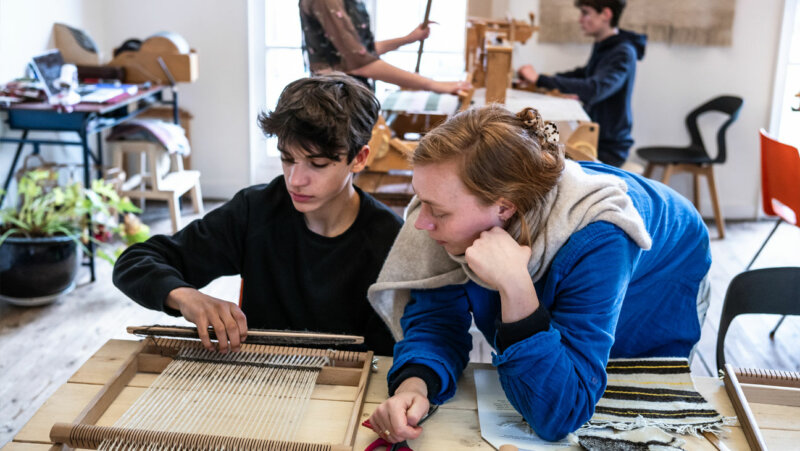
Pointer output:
x,y
605,84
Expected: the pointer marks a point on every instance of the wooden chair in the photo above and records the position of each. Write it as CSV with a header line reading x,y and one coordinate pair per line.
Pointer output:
x,y
768,290
695,158
152,183
780,191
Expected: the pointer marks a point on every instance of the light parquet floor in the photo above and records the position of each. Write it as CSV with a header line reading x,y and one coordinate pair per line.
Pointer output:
x,y
43,346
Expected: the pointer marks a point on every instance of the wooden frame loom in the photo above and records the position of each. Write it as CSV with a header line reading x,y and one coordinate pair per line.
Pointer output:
x,y
342,371
744,385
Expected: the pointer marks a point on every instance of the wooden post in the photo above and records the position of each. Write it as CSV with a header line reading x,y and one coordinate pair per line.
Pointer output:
x,y
498,66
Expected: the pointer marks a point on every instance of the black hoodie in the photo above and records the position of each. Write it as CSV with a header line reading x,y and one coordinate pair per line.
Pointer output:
x,y
605,86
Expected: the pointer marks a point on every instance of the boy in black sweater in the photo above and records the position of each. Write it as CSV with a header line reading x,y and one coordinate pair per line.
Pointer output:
x,y
605,84
307,245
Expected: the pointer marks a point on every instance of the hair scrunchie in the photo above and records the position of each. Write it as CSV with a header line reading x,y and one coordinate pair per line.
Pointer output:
x,y
546,132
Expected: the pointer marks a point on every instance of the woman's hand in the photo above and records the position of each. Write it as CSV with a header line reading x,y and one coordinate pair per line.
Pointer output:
x,y
396,418
497,259
225,317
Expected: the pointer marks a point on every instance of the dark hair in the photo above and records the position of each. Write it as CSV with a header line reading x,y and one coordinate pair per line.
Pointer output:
x,y
616,7
323,115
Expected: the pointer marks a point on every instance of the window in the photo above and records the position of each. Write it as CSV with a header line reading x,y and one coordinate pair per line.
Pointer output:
x,y
787,81
443,52
443,56
283,56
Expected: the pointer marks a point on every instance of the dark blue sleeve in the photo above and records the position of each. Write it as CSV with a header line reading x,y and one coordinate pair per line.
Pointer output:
x,y
436,334
608,78
578,72
555,378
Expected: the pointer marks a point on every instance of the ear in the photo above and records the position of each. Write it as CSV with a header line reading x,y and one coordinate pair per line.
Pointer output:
x,y
360,160
607,14
505,209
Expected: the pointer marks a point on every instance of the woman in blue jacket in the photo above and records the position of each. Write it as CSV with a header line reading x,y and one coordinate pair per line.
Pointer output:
x,y
561,265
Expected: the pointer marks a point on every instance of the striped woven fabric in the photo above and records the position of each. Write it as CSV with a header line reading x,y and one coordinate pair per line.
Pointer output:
x,y
654,392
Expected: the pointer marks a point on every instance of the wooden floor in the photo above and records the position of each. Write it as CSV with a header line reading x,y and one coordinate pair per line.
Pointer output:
x,y
43,346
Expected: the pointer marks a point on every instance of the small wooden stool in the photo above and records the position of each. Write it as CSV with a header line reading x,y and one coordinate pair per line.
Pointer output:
x,y
169,185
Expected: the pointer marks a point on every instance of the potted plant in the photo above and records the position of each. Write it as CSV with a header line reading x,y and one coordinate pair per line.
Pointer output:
x,y
41,236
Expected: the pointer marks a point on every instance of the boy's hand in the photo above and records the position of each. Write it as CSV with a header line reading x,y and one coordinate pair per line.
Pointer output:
x,y
396,418
421,32
528,73
226,318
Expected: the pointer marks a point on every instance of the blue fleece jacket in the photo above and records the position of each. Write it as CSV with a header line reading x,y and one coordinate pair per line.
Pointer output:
x,y
605,298
605,86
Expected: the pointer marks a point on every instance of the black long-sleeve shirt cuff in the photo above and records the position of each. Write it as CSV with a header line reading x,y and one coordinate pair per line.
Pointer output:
x,y
163,287
423,372
510,333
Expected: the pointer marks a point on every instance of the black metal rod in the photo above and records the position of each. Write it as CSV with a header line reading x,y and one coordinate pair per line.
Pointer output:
x,y
87,183
7,183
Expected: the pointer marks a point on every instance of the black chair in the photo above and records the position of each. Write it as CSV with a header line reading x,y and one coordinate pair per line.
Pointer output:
x,y
768,290
695,158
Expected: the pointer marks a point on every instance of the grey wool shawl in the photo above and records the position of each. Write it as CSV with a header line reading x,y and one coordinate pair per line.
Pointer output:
x,y
579,199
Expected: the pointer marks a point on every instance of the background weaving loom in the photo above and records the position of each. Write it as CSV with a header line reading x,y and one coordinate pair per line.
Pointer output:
x,y
264,397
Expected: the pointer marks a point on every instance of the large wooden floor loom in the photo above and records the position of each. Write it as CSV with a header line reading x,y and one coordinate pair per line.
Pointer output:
x,y
264,397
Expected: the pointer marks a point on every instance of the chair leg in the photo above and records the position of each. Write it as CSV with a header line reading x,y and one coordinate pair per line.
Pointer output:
x,y
174,204
142,171
648,171
775,329
712,188
197,198
696,191
762,246
667,173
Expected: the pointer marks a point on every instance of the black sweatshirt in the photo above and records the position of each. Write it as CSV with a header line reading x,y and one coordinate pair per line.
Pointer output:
x,y
292,277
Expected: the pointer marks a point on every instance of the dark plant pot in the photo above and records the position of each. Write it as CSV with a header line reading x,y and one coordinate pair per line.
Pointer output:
x,y
35,271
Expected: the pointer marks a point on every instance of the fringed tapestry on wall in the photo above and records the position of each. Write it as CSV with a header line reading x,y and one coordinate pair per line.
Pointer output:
x,y
692,22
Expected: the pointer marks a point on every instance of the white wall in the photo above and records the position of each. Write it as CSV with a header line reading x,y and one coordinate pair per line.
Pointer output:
x,y
671,80
219,99
26,29
223,128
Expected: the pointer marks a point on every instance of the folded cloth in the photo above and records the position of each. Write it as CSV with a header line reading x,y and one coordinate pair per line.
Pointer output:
x,y
656,392
169,135
642,439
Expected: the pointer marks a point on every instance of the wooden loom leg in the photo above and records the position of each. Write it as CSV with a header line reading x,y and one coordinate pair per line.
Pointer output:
x,y
743,412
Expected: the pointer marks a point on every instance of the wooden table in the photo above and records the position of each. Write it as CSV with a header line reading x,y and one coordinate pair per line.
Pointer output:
x,y
455,425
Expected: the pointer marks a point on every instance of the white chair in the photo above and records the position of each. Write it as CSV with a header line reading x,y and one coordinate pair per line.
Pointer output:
x,y
157,179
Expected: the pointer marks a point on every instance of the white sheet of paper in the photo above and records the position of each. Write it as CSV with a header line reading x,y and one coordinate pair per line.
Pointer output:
x,y
500,423
550,107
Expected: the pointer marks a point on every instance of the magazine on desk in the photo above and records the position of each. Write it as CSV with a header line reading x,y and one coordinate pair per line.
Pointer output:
x,y
106,92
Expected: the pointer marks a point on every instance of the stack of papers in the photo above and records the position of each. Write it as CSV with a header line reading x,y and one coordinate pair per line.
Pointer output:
x,y
421,102
104,93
